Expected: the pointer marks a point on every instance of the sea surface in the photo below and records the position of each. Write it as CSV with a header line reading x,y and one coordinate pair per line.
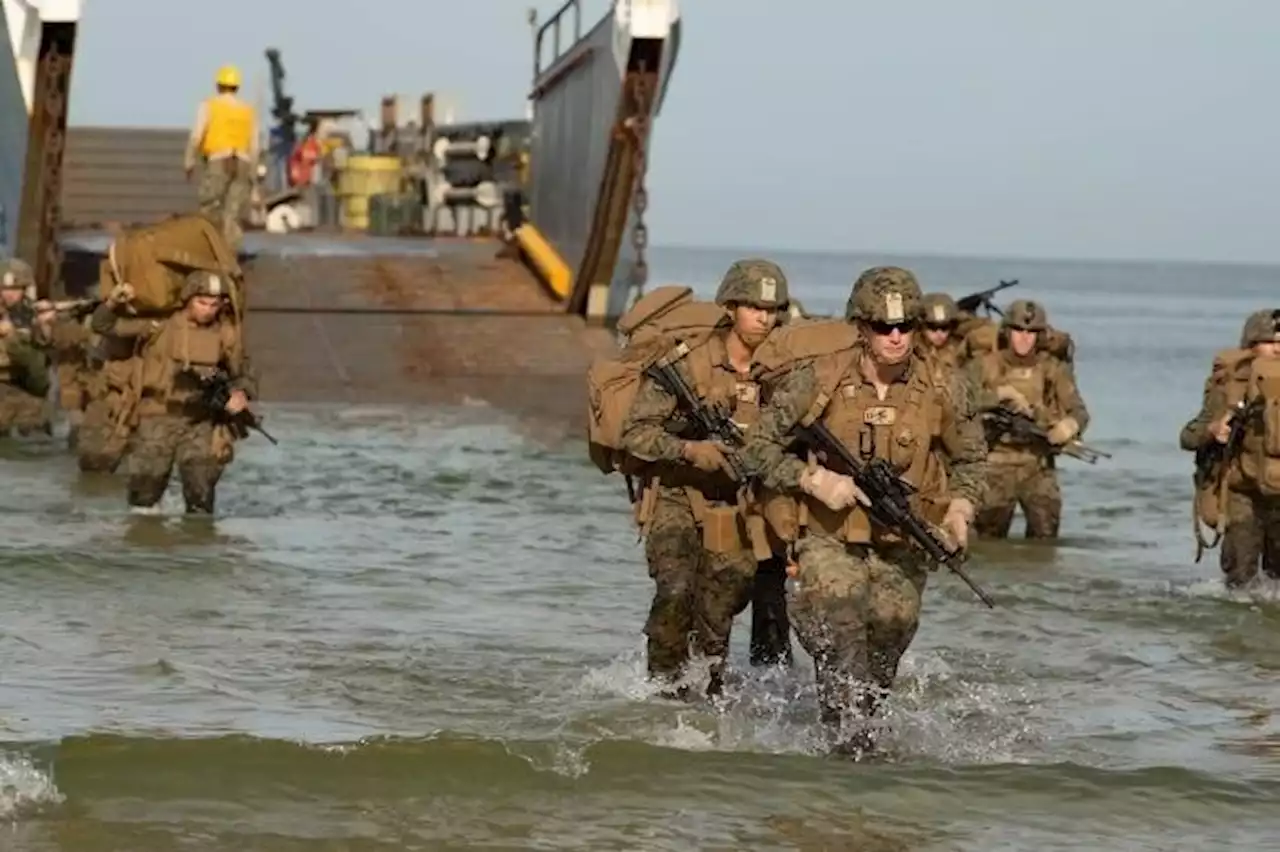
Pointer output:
x,y
420,629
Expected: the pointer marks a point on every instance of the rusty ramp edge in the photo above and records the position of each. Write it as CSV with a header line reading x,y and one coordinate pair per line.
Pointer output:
x,y
362,321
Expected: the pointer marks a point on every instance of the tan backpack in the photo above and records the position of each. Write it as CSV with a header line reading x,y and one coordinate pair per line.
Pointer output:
x,y
156,260
665,322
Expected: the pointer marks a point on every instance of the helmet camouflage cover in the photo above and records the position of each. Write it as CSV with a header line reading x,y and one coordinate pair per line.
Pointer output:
x,y
205,283
756,282
940,309
1260,327
1026,315
17,274
888,294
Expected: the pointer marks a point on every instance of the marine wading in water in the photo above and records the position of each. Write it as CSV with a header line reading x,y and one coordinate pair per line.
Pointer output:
x,y
154,373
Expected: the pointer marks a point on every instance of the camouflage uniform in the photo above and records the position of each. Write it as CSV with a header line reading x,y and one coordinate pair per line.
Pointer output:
x,y
70,345
857,603
701,585
173,426
24,366
225,188
941,312
1043,386
1250,513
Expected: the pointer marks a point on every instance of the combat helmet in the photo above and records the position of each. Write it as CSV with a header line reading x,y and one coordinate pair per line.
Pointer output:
x,y
18,275
940,309
1025,315
1260,327
202,282
756,282
885,294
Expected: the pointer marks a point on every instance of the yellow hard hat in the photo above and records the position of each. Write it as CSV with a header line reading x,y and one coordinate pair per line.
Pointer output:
x,y
229,75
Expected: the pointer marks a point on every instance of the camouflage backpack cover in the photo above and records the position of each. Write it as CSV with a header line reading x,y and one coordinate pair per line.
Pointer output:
x,y
667,322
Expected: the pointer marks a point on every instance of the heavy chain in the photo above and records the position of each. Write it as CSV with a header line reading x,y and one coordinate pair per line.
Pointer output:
x,y
56,71
640,194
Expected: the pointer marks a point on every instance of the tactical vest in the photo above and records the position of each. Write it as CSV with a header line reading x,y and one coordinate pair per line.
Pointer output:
x,y
1028,376
229,129
1259,458
904,429
727,528
179,349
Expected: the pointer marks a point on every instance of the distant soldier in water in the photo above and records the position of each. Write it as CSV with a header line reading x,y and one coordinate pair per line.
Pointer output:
x,y
225,138
941,338
859,583
702,554
177,354
1242,494
24,363
1020,375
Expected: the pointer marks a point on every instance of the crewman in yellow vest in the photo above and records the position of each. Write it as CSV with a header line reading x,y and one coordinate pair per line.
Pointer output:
x,y
225,137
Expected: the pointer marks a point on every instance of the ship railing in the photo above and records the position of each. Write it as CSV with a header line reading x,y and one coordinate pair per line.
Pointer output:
x,y
552,26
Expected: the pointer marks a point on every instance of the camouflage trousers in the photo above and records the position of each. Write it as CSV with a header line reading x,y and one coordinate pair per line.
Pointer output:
x,y
225,186
1032,484
697,592
99,443
856,610
163,440
22,412
1252,536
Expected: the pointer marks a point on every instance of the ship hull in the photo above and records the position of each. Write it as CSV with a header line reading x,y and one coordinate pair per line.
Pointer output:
x,y
579,114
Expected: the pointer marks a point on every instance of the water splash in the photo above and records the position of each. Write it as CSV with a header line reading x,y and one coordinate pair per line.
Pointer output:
x,y
24,788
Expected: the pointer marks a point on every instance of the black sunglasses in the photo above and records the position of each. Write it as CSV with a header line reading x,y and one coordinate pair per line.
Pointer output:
x,y
890,327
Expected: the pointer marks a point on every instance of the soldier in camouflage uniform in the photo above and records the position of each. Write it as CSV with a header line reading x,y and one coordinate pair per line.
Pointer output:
x,y
24,364
1021,376
1251,510
700,557
857,605
174,426
941,330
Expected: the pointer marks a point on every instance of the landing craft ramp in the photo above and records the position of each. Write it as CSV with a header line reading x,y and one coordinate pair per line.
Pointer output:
x,y
348,317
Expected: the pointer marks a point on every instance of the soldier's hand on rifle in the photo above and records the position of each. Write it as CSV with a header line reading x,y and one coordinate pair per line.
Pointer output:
x,y
1013,398
121,294
1220,429
237,402
707,456
1064,430
956,522
836,491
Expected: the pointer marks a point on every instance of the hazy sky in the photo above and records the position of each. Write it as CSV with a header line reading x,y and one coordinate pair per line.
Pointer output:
x,y
1093,129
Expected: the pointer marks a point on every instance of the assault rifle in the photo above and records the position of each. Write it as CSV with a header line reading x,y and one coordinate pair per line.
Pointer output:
x,y
890,500
982,299
77,309
1212,456
1022,428
215,392
710,423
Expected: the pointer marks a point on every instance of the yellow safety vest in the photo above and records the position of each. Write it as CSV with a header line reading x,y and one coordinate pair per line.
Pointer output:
x,y
229,127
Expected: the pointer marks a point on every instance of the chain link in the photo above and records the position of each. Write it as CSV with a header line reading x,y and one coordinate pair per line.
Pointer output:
x,y
56,72
640,193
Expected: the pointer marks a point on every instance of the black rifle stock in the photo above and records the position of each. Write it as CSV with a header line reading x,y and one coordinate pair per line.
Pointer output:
x,y
890,501
982,299
711,424
1021,427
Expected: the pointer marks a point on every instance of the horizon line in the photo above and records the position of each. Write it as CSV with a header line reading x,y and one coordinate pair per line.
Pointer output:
x,y
936,255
